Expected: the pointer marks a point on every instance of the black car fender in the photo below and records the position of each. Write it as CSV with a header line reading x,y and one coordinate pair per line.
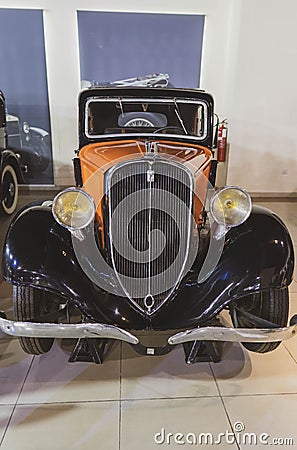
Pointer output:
x,y
38,252
257,256
11,158
264,249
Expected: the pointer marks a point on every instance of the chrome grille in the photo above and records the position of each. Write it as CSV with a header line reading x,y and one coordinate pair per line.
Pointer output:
x,y
149,215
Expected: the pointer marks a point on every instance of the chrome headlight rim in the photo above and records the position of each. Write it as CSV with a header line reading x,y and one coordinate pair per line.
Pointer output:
x,y
79,191
217,193
26,127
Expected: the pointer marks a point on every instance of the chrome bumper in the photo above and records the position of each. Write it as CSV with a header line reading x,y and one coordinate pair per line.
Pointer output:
x,y
59,330
234,334
98,330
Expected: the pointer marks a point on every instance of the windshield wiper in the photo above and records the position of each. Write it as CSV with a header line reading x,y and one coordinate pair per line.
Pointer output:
x,y
178,115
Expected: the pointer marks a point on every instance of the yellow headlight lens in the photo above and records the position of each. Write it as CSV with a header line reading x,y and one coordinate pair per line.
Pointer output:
x,y
230,206
73,208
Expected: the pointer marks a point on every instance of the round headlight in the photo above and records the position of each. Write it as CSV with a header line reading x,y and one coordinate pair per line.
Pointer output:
x,y
73,209
230,206
26,128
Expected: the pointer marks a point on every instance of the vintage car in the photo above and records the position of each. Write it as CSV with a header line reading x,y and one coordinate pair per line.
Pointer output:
x,y
33,144
10,168
145,243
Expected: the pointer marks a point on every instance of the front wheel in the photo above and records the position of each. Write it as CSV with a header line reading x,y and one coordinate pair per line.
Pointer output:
x,y
8,190
32,304
272,306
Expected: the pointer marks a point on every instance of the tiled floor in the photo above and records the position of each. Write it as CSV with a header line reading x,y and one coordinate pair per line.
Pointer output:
x,y
133,402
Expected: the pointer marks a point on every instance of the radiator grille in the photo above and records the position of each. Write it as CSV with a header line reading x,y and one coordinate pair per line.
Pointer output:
x,y
149,224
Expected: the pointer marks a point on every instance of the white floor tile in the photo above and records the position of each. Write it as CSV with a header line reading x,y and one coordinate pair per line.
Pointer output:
x,y
293,304
14,365
53,379
143,422
82,426
242,372
291,344
293,287
5,413
274,415
164,376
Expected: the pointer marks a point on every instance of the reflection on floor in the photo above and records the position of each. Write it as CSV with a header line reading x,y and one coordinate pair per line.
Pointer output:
x,y
133,402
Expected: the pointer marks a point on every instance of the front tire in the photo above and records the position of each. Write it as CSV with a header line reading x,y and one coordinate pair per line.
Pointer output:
x,y
271,305
30,304
9,190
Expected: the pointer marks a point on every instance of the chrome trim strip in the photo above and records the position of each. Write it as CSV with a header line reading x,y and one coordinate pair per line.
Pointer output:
x,y
234,334
61,330
188,137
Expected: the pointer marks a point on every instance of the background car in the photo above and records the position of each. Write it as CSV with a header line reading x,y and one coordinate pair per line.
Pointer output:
x,y
10,168
32,143
145,243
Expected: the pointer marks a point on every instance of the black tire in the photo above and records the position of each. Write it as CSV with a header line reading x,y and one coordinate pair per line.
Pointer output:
x,y
9,190
272,306
28,304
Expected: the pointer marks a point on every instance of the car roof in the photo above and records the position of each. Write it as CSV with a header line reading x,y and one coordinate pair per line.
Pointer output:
x,y
151,92
136,92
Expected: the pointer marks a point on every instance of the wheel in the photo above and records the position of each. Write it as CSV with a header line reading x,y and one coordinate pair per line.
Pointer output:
x,y
141,119
138,122
271,305
9,190
29,304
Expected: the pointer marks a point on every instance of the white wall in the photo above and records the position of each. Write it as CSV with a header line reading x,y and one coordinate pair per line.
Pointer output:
x,y
263,110
249,63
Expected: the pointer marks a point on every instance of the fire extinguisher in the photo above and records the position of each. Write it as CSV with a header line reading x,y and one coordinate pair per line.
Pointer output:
x,y
222,140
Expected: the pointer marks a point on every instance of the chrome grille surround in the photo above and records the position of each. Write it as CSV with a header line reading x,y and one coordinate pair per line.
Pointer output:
x,y
150,223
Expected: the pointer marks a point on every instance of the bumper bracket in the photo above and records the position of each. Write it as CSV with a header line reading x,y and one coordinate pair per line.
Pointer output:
x,y
203,351
89,350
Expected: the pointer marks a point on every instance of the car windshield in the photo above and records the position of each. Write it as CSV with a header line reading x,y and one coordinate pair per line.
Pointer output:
x,y
116,116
